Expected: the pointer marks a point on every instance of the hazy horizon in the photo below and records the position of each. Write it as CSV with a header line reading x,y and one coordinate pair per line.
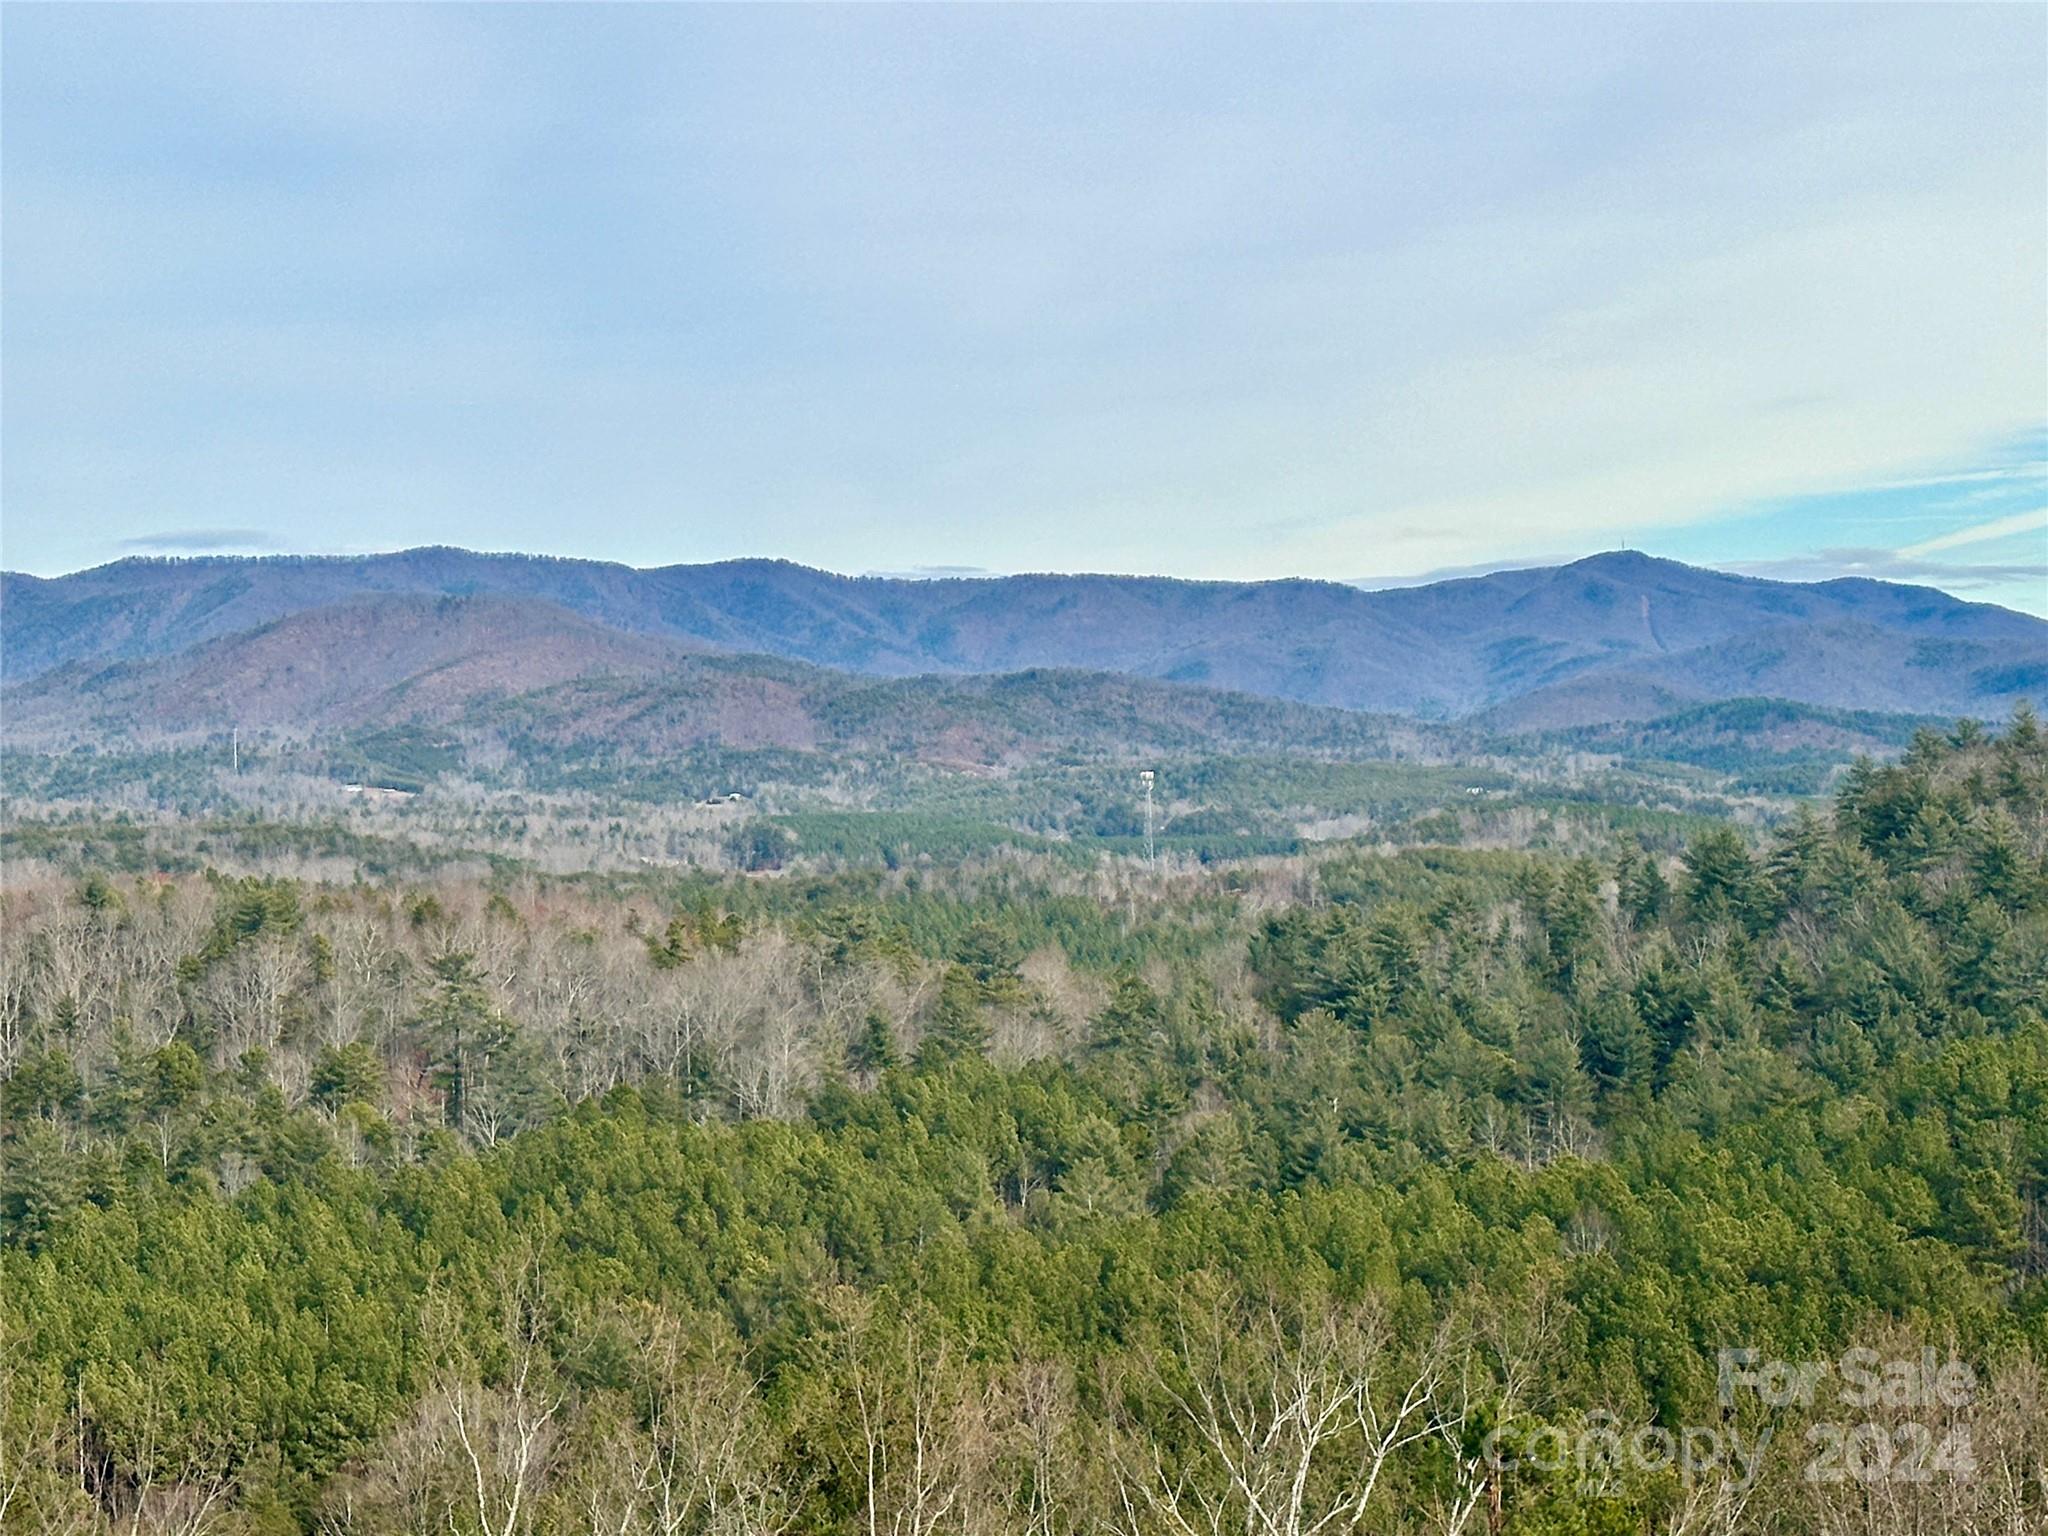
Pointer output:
x,y
971,573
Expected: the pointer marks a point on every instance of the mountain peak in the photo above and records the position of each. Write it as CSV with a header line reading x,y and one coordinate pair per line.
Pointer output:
x,y
1623,564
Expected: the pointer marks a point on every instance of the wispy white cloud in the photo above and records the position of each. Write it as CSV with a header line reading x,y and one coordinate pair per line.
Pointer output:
x,y
1893,565
2034,521
201,541
2035,472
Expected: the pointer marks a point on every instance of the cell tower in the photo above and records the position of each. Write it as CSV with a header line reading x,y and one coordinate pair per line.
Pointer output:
x,y
1145,778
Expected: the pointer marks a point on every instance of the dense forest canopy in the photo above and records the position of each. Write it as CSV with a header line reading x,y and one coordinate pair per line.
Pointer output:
x,y
1291,1191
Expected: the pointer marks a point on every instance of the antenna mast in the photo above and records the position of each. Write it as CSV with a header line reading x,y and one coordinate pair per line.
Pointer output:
x,y
1145,778
235,750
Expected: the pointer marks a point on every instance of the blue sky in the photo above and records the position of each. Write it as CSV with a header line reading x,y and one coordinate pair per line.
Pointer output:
x,y
1351,292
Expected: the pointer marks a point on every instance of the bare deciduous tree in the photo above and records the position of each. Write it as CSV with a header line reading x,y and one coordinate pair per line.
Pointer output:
x,y
700,1456
1292,1414
919,1441
474,1458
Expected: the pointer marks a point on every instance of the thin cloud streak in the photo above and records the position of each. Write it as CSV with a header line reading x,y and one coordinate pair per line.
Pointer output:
x,y
201,541
1980,533
2033,471
1889,565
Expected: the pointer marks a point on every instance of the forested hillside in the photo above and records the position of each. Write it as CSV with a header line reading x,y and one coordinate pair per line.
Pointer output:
x,y
531,679
1006,1194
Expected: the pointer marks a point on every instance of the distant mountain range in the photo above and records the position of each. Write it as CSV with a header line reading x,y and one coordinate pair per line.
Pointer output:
x,y
536,675
432,634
